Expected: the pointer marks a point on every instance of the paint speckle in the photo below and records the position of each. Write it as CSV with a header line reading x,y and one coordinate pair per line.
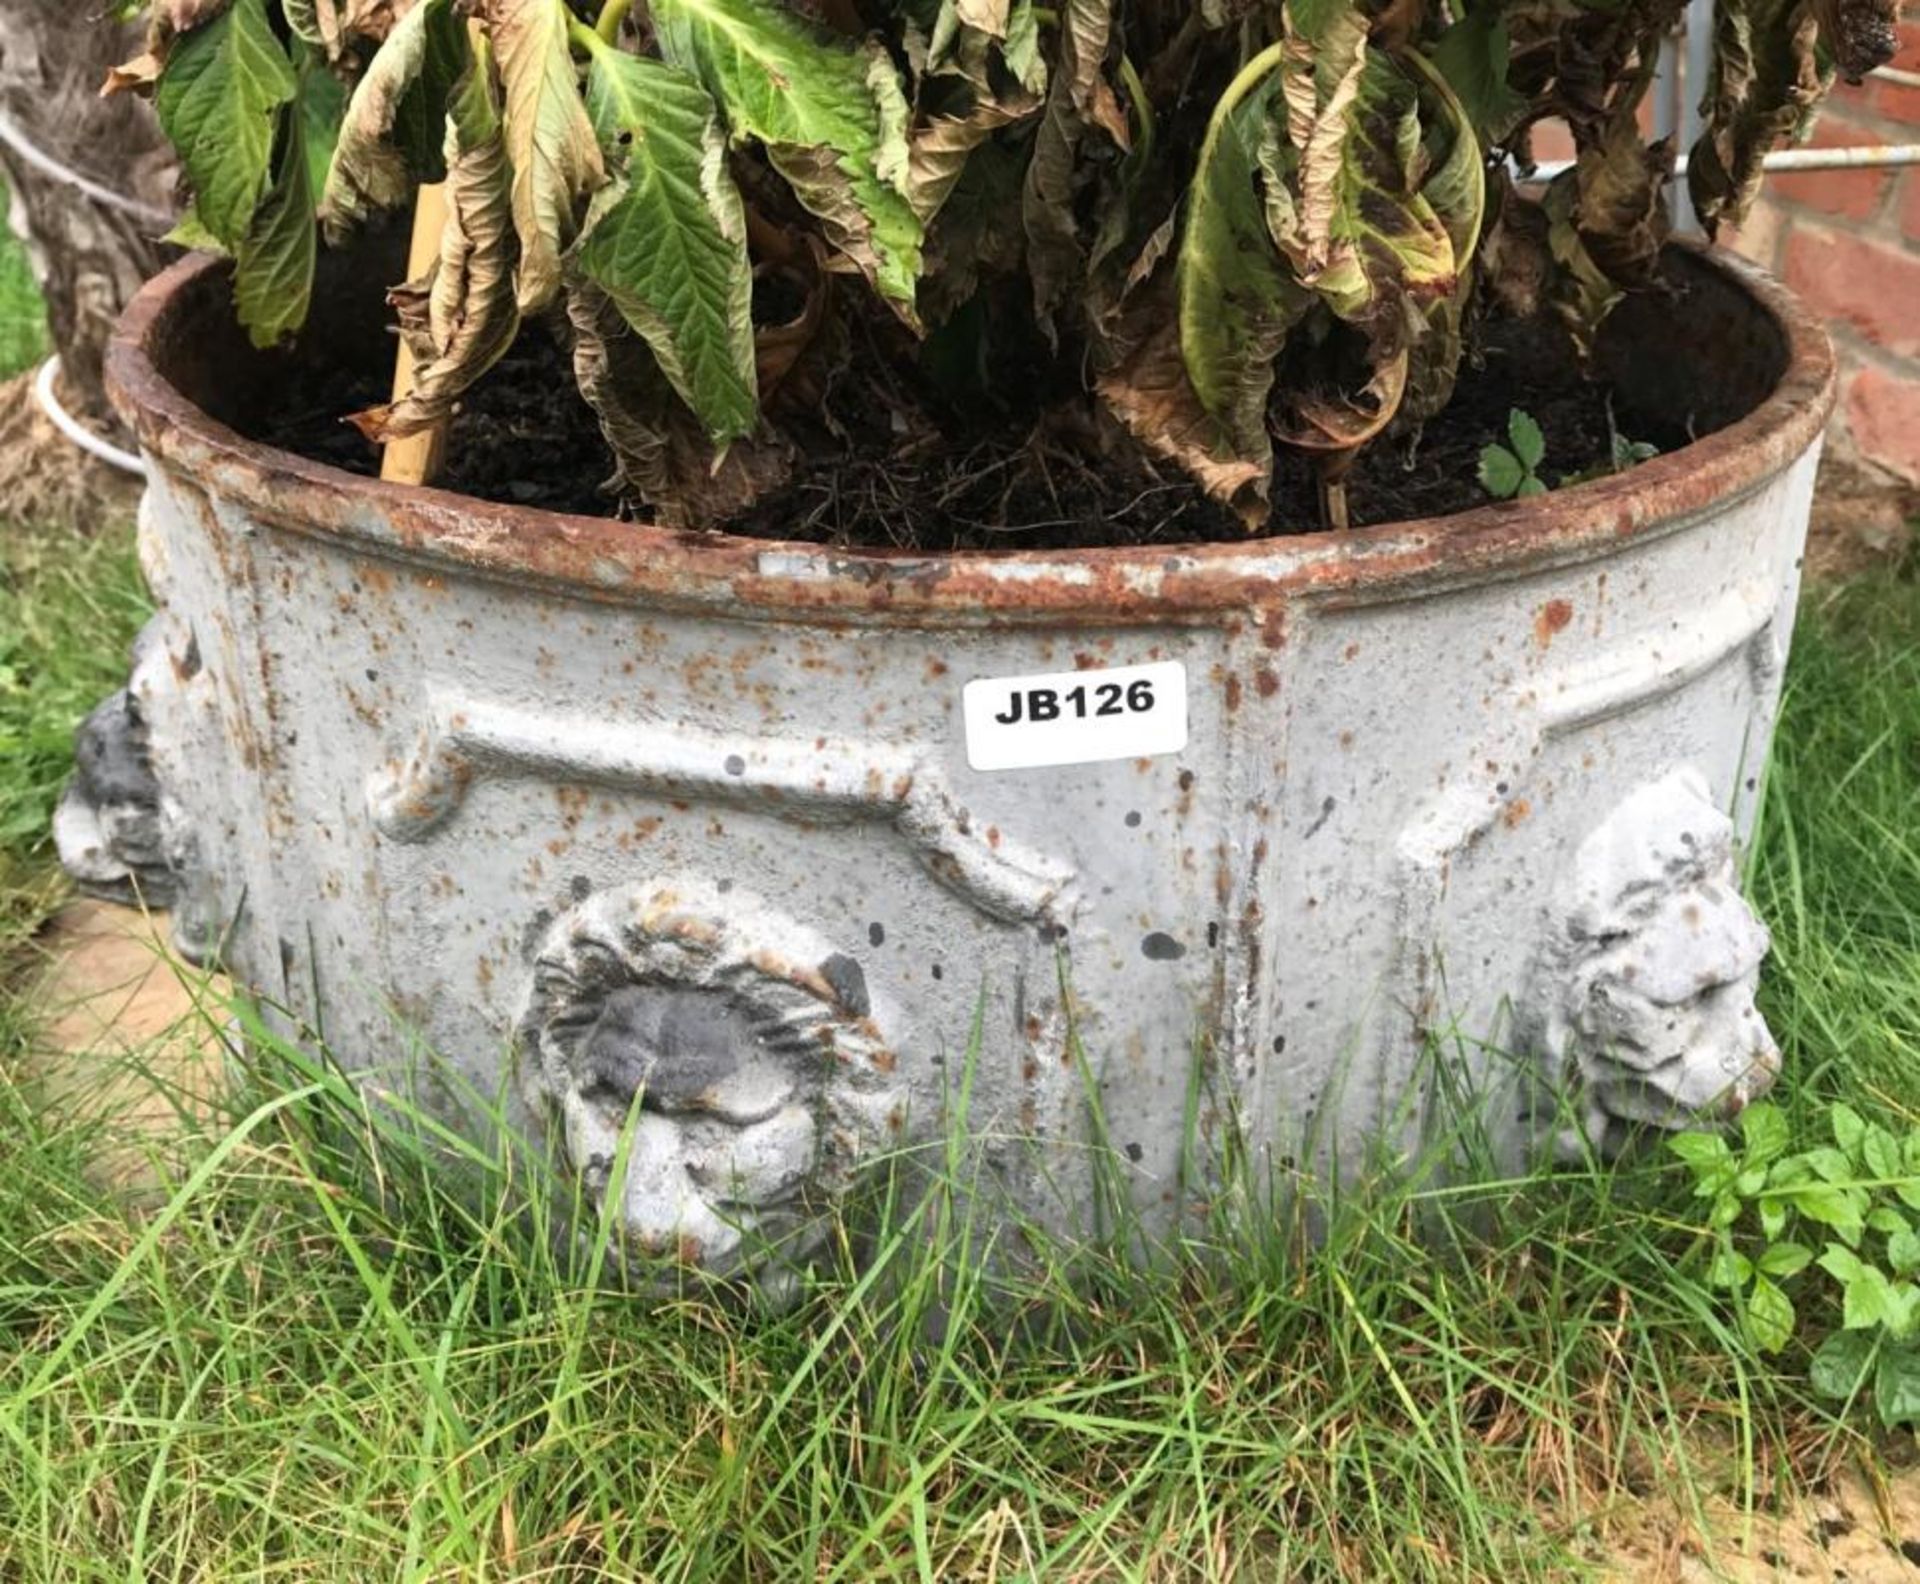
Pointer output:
x,y
876,934
735,765
1161,947
849,983
939,972
1279,1044
1133,819
1135,1153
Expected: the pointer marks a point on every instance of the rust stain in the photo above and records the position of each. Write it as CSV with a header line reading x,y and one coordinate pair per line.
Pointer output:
x,y
1516,812
1265,683
1233,691
1553,618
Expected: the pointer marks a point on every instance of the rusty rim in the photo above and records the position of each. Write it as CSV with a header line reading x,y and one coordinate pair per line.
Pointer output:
x,y
605,560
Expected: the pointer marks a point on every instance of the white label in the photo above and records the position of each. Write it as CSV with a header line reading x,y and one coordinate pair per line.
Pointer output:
x,y
1076,717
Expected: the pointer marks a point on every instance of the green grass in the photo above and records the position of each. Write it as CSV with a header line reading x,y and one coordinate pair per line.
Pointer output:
x,y
23,323
308,1358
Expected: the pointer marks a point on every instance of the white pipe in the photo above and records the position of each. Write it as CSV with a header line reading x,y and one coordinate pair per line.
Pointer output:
x,y
47,165
1893,74
76,431
1800,159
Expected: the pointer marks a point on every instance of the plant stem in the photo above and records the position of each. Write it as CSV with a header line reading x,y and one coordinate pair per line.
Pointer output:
x,y
612,14
585,39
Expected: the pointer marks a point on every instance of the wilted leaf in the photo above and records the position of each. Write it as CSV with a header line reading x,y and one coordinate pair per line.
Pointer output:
x,y
668,242
471,318
273,265
219,102
1238,298
1858,34
1764,83
1151,394
827,112
660,455
1056,260
550,143
371,169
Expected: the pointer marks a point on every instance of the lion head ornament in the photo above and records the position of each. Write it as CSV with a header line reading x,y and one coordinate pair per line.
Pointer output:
x,y
738,1055
1641,1007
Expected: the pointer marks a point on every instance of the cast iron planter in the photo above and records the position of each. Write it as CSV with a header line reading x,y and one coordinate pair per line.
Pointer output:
x,y
631,808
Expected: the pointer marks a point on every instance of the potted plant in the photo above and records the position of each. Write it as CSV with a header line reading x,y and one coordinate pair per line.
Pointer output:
x,y
1124,519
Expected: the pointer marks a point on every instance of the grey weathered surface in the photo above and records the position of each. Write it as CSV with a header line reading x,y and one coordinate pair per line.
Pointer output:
x,y
627,807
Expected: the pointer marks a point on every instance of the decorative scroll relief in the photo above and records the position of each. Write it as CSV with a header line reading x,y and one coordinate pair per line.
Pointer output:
x,y
1641,1003
723,1054
811,779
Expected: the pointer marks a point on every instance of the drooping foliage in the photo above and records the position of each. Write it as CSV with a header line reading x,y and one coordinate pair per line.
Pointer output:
x,y
1234,225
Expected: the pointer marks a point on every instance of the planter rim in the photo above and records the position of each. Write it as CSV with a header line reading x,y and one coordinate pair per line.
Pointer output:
x,y
608,560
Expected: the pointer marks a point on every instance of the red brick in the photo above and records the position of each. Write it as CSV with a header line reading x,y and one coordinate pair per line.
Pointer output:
x,y
1910,205
1870,286
1895,101
1883,411
1552,140
1844,194
1907,57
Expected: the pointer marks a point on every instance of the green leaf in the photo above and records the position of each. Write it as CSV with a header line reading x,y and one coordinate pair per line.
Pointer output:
x,y
828,113
550,143
1730,1268
1870,1301
1529,445
1840,1364
1501,475
218,100
373,165
1834,1207
1764,1132
1785,1259
1903,1251
1831,1165
323,104
1849,1129
273,265
1773,1218
1896,1385
1701,1151
1881,1151
1886,1219
1530,485
668,242
1473,55
1770,1316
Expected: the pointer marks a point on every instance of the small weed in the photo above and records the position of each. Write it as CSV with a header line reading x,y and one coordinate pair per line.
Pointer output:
x,y
1512,471
1862,1190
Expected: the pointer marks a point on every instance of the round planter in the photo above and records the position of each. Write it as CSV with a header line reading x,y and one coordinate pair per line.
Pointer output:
x,y
1452,810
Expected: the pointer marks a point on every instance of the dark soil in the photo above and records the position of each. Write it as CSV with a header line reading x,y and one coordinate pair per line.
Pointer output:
x,y
980,478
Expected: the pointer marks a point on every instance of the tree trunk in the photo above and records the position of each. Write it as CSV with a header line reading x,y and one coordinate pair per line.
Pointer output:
x,y
89,250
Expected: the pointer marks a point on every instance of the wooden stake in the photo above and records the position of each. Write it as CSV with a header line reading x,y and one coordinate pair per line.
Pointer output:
x,y
415,459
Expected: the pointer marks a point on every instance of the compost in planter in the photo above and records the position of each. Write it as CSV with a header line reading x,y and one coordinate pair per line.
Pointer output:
x,y
927,466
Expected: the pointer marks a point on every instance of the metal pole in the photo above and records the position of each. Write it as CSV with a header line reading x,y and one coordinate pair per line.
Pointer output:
x,y
1801,159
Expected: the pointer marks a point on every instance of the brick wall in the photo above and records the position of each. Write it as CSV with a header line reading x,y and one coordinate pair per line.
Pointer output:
x,y
1849,243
